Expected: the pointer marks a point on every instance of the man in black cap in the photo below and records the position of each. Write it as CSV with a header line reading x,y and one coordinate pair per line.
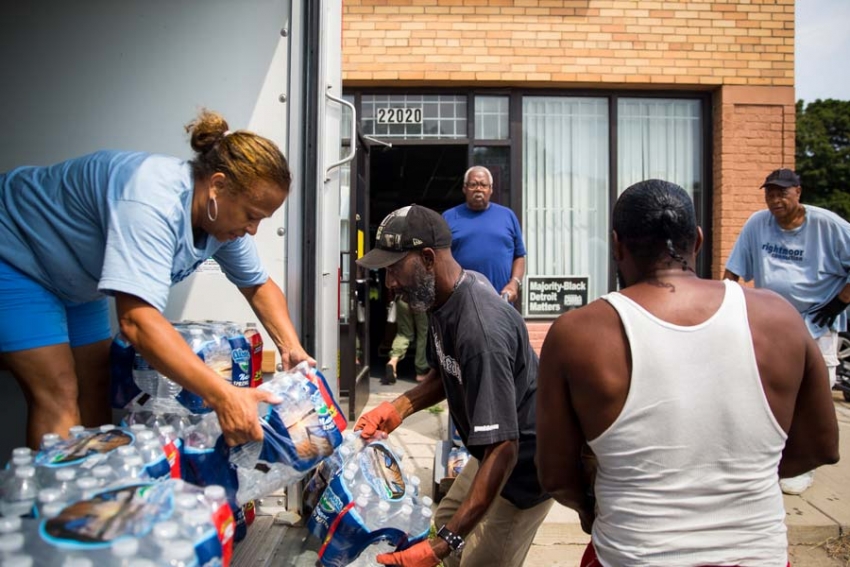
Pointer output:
x,y
801,252
483,364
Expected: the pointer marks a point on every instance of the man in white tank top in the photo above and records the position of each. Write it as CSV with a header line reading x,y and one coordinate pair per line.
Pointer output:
x,y
693,396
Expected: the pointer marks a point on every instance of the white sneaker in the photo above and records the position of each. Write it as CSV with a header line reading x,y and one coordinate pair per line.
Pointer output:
x,y
797,484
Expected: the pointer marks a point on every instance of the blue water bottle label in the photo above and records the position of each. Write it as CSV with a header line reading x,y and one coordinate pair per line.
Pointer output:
x,y
240,356
208,550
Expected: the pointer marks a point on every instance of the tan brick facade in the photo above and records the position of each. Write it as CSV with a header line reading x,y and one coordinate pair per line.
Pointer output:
x,y
742,51
571,42
753,135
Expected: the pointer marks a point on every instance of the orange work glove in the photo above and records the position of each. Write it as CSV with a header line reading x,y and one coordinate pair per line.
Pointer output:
x,y
420,555
383,418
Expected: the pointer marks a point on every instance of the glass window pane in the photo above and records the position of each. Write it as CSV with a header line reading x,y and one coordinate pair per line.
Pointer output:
x,y
660,139
414,117
498,161
491,117
344,235
345,121
565,188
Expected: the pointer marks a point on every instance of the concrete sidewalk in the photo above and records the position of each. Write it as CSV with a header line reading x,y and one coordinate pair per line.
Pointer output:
x,y
822,512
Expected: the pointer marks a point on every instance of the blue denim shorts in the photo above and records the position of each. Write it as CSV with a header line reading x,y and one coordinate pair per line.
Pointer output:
x,y
32,317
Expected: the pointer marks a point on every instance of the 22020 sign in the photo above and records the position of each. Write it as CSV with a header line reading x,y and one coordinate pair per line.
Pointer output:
x,y
399,116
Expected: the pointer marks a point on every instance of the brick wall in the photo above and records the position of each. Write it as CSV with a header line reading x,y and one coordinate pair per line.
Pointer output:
x,y
740,50
753,135
680,42
537,333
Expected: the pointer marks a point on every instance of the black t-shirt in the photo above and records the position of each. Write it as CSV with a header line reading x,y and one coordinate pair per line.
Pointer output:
x,y
479,343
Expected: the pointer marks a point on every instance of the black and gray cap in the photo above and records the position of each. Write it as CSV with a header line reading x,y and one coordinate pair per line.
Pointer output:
x,y
406,229
781,178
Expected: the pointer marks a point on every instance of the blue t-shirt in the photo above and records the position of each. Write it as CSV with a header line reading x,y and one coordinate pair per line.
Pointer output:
x,y
808,265
486,241
112,222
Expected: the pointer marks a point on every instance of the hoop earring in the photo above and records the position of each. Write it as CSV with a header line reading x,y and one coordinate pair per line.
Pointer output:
x,y
211,216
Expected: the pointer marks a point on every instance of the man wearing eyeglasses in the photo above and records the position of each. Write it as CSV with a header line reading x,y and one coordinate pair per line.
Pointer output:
x,y
486,237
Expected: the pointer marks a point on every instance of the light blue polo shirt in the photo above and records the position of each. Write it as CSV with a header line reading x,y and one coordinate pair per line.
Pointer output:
x,y
808,265
112,222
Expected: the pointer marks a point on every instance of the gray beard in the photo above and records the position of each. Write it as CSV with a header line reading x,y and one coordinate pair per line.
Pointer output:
x,y
423,295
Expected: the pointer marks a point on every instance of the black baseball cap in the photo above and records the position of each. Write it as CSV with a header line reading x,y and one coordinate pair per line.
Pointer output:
x,y
781,178
404,230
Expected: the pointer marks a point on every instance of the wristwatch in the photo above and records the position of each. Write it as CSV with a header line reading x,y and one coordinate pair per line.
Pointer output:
x,y
455,542
518,282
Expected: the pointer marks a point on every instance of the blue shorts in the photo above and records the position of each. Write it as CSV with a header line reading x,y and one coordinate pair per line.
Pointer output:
x,y
32,317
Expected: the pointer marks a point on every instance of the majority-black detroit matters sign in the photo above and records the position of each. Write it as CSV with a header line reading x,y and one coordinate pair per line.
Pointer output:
x,y
549,296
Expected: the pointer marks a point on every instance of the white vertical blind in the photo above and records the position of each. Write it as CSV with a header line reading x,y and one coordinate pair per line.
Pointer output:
x,y
659,139
565,188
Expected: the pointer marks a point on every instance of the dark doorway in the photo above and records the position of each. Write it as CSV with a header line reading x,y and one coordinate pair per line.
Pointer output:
x,y
428,175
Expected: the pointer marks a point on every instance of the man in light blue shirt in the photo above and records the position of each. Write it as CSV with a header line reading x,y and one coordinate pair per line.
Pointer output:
x,y
802,253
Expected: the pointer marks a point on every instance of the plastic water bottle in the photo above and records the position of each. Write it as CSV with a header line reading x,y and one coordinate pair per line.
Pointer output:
x,y
10,524
124,550
19,461
87,487
48,440
215,499
255,341
415,483
154,458
198,528
104,475
377,516
11,543
76,431
178,553
52,509
77,561
21,452
18,560
421,521
171,444
367,557
145,376
45,497
185,503
20,493
164,532
403,519
66,483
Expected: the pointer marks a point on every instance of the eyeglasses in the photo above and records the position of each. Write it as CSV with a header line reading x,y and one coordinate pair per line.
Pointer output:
x,y
477,185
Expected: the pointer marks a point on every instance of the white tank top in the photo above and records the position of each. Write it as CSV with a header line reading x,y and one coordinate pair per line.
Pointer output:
x,y
688,472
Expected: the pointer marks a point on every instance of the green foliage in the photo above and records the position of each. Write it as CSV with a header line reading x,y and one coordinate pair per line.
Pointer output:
x,y
823,154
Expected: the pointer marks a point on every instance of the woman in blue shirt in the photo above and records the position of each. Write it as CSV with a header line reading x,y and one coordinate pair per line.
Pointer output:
x,y
130,225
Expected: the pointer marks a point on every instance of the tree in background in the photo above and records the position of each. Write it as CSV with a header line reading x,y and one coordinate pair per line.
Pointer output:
x,y
823,154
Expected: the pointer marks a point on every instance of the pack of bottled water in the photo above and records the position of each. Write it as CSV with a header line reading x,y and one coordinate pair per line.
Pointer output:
x,y
66,470
138,524
369,507
298,434
137,386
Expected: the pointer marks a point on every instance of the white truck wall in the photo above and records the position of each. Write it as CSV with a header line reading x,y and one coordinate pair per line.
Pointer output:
x,y
328,221
82,76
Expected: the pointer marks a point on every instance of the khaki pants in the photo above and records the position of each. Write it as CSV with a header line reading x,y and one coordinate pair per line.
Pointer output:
x,y
828,344
502,538
409,324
